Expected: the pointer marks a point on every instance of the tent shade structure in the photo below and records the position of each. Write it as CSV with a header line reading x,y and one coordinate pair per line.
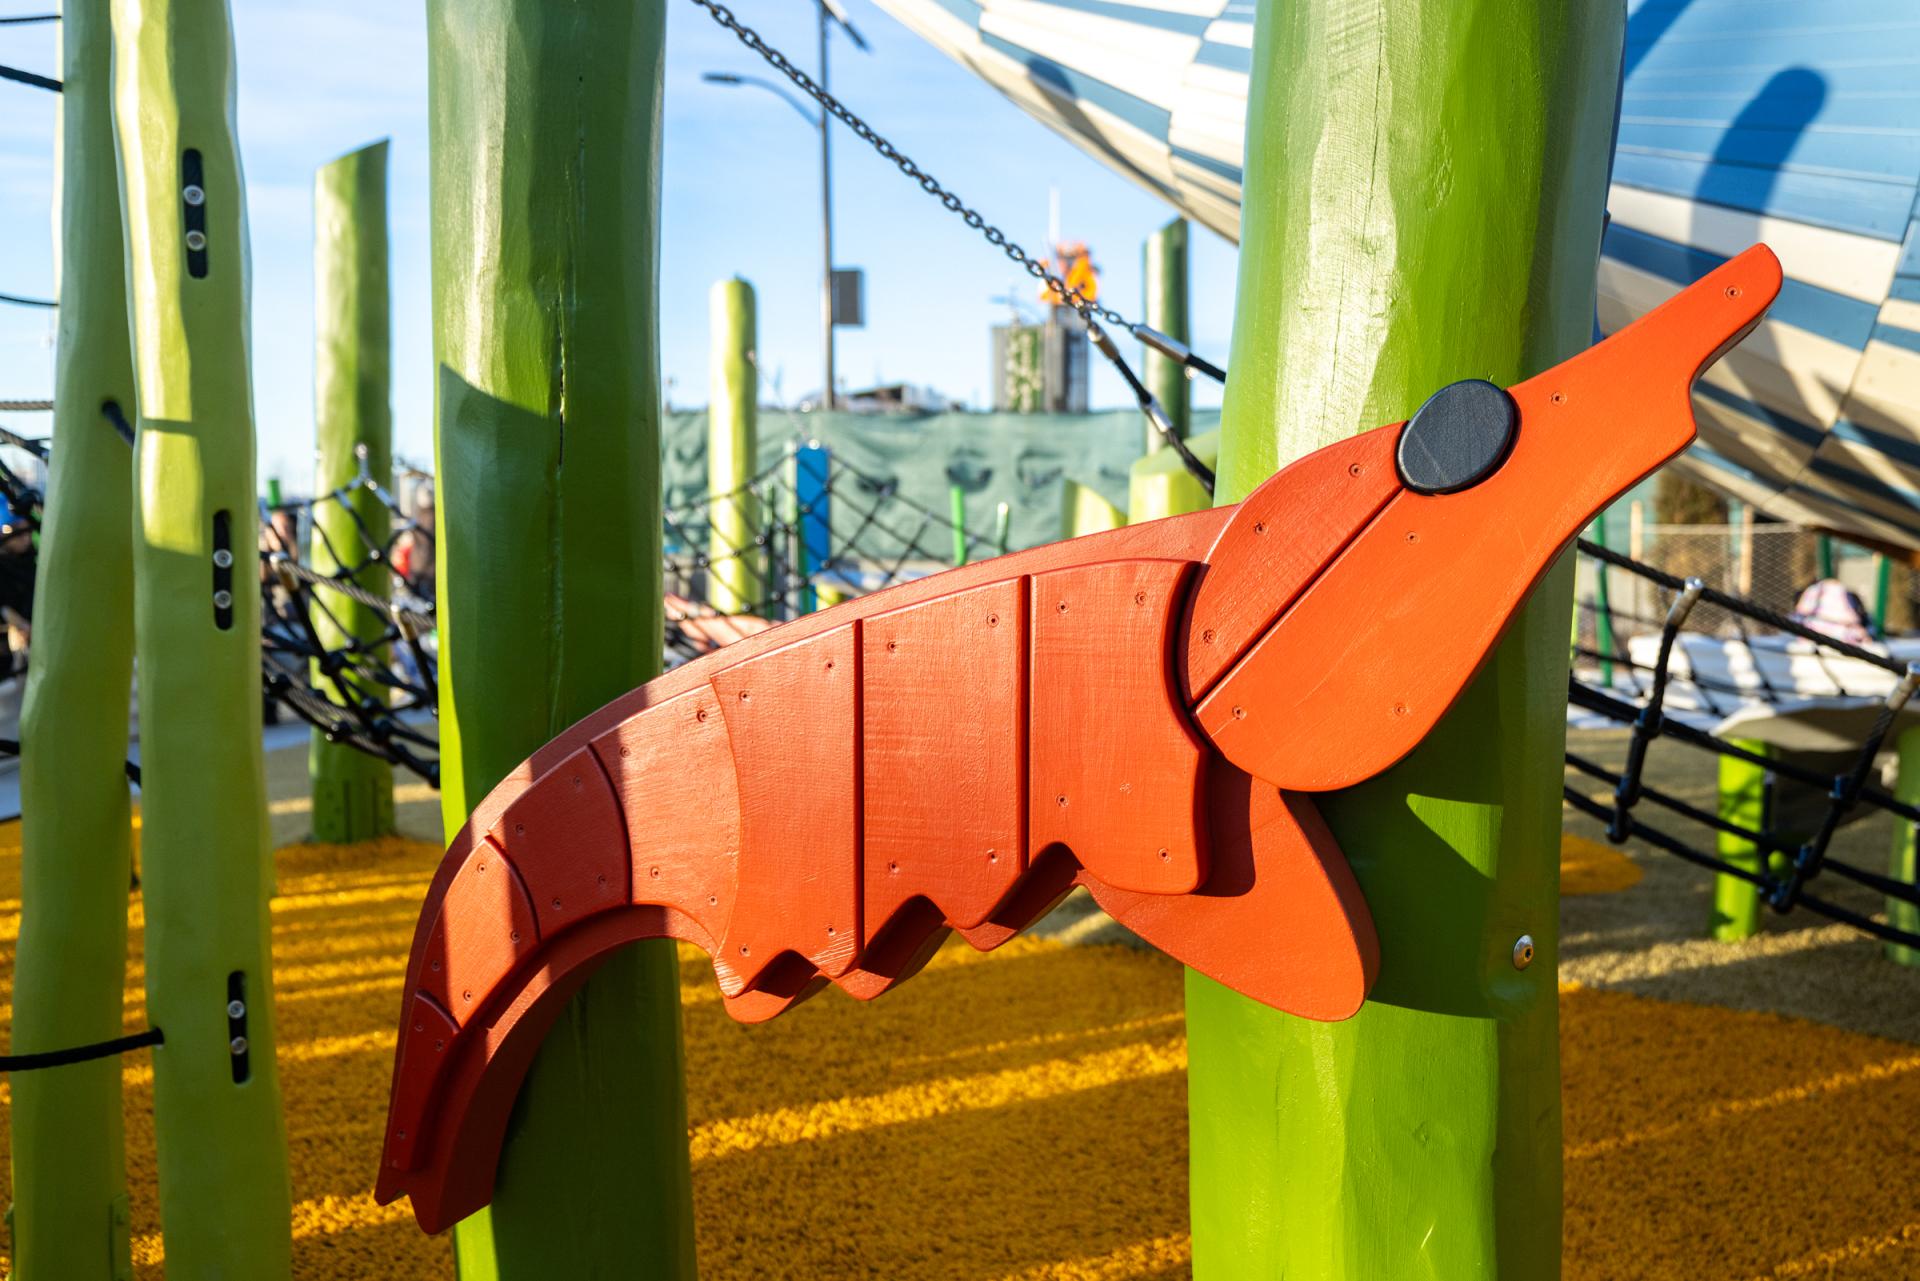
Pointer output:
x,y
1231,627
1738,123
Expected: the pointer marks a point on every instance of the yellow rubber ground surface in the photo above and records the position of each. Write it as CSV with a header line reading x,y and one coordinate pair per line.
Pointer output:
x,y
1588,867
1022,1115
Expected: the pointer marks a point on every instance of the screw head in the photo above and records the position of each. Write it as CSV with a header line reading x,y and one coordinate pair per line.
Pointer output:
x,y
1523,952
196,240
223,599
223,558
236,1009
237,1046
194,195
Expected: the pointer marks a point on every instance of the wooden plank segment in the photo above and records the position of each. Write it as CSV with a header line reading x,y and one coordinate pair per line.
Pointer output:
x,y
484,926
566,837
793,720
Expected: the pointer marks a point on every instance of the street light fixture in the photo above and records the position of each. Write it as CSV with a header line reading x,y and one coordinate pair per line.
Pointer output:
x,y
830,14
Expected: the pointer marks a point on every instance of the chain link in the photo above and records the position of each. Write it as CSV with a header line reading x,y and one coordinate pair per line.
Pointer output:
x,y
1037,268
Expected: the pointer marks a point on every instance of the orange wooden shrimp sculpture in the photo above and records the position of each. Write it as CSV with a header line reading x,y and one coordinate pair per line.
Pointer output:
x,y
1143,712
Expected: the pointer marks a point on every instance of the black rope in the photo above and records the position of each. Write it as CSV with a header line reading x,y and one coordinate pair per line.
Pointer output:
x,y
29,78
27,18
19,300
11,747
81,1053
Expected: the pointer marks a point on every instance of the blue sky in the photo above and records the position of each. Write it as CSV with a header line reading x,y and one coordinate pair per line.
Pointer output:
x,y
741,195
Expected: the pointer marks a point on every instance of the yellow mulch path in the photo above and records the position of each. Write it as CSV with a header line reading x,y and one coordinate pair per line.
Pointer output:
x,y
1021,1116
1589,867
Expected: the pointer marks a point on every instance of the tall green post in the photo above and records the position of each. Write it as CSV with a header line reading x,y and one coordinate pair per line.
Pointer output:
x,y
1743,800
353,424
1905,865
1424,193
736,574
224,1195
69,1167
544,123
1166,310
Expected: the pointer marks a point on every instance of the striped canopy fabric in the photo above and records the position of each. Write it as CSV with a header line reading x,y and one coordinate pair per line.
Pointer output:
x,y
1796,122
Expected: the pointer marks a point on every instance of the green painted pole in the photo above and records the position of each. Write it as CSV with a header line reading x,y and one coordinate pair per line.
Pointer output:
x,y
1905,865
957,517
544,123
70,1211
1744,794
1166,310
1882,589
1603,605
224,1194
1823,555
1384,255
273,491
735,577
1002,528
353,422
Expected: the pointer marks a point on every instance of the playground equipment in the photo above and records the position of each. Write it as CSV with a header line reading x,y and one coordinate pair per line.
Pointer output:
x,y
1188,824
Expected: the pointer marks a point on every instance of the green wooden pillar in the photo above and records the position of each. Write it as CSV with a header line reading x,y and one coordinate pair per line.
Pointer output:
x,y
957,518
1166,310
1745,793
69,1212
353,420
544,124
736,573
1385,252
1905,865
224,1196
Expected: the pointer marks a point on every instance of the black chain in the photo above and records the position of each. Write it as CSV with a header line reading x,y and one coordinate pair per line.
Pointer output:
x,y
1034,267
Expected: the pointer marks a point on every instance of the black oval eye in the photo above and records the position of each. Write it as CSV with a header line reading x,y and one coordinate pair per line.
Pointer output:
x,y
1458,438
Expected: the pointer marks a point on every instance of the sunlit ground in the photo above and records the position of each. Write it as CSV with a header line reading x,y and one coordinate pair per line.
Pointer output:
x,y
1022,1115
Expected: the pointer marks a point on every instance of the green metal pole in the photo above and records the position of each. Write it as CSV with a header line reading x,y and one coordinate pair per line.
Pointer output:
x,y
1906,849
69,1216
1603,611
735,577
544,124
273,491
353,421
224,1195
957,517
1823,555
1882,588
1166,310
1743,800
1383,255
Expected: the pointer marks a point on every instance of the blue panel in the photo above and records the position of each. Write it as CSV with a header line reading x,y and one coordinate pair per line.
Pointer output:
x,y
1909,263
1877,209
1895,336
1899,448
1859,481
1229,56
1818,311
1809,44
1138,15
965,10
1078,86
1232,173
1800,433
1734,80
813,495
1839,153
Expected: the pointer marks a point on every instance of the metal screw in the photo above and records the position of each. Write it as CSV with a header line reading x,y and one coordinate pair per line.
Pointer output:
x,y
237,1046
223,599
236,1009
196,240
193,195
223,558
1523,952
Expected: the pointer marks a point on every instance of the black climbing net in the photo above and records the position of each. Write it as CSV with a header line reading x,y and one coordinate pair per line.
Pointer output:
x,y
1688,665
369,676
807,531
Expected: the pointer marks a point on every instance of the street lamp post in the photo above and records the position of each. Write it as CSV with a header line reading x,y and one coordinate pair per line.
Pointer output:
x,y
829,12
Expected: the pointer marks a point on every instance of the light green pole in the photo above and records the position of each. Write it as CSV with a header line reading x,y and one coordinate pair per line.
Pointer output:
x,y
1905,864
1166,310
69,1212
1387,250
544,122
353,422
1743,801
957,518
736,580
1603,604
224,1196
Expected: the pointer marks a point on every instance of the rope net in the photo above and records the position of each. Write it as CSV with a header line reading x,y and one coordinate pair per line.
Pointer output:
x,y
1699,677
